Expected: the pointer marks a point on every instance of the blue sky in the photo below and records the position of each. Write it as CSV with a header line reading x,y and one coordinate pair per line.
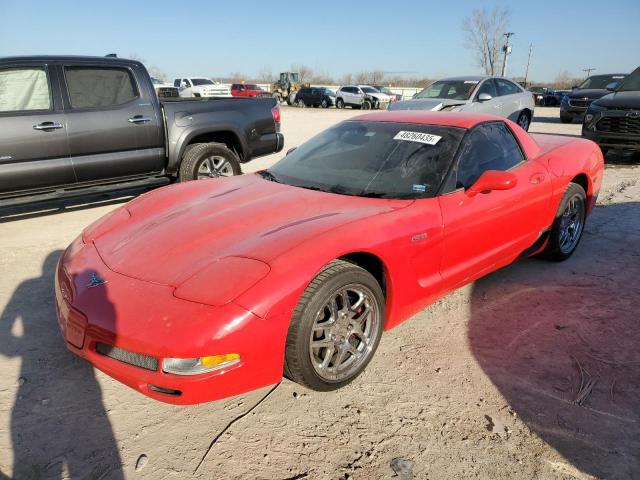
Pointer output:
x,y
216,38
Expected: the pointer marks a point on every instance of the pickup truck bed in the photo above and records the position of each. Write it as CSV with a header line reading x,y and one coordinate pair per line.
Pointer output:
x,y
70,125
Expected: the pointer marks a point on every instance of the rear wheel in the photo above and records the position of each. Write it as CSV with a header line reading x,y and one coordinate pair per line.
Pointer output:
x,y
568,225
336,327
523,120
208,160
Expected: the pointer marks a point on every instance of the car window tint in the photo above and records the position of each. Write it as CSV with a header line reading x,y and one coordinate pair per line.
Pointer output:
x,y
187,83
505,87
176,82
488,86
490,146
23,89
91,87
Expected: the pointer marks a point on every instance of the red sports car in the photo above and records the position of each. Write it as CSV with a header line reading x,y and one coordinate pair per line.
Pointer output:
x,y
211,288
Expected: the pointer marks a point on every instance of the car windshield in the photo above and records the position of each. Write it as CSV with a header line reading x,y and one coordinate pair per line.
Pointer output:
x,y
372,159
449,89
600,81
252,86
201,81
294,78
369,90
632,82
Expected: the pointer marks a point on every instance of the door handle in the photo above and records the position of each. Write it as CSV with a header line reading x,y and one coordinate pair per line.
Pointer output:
x,y
47,126
139,119
537,178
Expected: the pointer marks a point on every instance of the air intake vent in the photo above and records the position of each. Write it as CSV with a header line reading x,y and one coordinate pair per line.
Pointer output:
x,y
125,356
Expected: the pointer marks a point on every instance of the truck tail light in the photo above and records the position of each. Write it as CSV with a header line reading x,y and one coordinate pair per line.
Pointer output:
x,y
275,113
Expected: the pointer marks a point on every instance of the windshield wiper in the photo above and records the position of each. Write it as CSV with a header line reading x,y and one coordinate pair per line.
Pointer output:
x,y
267,175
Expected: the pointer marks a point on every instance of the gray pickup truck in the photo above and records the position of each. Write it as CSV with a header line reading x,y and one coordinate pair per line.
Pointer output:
x,y
76,125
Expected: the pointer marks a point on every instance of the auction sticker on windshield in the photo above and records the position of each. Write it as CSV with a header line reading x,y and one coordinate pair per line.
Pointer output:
x,y
417,137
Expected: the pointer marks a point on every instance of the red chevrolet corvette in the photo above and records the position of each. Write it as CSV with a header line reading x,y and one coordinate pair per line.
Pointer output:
x,y
207,289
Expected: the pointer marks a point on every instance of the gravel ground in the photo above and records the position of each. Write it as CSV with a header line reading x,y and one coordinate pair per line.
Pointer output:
x,y
531,372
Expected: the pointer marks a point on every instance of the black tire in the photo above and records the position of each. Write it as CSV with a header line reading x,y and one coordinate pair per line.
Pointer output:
x,y
604,150
301,103
324,103
334,276
340,103
366,105
195,155
566,118
554,250
524,120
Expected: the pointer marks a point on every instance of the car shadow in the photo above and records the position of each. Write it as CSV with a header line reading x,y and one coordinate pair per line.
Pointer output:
x,y
560,342
59,427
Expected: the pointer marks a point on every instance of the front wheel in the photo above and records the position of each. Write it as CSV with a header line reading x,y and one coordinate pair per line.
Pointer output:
x,y
208,160
336,327
301,103
524,121
340,103
324,103
566,118
568,225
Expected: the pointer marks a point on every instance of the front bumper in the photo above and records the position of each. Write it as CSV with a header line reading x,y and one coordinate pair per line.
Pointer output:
x,y
147,323
613,140
619,129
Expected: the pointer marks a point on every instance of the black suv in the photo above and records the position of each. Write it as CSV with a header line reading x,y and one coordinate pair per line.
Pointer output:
x,y
316,97
614,120
578,100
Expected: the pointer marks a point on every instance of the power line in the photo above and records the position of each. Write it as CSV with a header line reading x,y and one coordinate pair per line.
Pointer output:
x,y
588,70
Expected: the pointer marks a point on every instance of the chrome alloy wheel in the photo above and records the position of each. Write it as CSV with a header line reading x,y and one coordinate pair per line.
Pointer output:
x,y
215,166
344,332
571,224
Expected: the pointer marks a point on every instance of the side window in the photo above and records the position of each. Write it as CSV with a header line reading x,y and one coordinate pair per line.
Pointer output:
x,y
488,86
505,87
94,87
176,83
490,146
24,89
187,83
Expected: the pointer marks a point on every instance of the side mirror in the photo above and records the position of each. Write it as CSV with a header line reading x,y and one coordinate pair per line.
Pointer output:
x,y
612,86
492,180
290,150
483,97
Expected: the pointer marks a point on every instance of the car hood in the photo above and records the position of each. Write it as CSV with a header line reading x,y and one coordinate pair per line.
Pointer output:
x,y
589,93
380,96
168,235
434,104
620,100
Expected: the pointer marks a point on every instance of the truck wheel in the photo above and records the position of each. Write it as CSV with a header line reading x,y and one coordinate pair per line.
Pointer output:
x,y
208,160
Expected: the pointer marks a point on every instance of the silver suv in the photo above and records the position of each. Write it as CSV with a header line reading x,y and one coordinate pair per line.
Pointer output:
x,y
361,96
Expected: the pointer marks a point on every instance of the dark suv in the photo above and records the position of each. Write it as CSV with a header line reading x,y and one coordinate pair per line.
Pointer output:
x,y
579,98
613,121
316,97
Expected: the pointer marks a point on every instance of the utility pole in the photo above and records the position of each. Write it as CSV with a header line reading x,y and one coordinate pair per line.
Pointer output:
x,y
507,51
526,74
588,70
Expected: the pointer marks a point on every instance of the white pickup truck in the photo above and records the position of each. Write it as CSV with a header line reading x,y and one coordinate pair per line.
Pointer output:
x,y
201,87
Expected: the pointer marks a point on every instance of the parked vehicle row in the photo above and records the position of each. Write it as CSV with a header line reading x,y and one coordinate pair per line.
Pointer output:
x,y
575,103
73,125
479,94
613,120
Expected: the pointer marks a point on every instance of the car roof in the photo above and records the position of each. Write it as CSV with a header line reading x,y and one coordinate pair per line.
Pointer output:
x,y
445,119
66,58
468,77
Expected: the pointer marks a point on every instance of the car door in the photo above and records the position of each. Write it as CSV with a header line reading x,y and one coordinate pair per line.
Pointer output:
x,y
492,106
34,151
114,129
488,230
509,96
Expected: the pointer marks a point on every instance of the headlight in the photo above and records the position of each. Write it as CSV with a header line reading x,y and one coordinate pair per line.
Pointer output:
x,y
195,366
588,117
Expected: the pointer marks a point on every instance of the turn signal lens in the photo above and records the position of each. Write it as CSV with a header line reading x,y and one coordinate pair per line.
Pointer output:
x,y
195,366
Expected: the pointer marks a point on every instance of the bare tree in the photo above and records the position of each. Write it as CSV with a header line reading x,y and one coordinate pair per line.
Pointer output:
x,y
305,72
265,75
153,70
483,34
564,80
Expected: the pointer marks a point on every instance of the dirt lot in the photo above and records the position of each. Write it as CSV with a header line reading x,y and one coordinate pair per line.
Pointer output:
x,y
530,373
